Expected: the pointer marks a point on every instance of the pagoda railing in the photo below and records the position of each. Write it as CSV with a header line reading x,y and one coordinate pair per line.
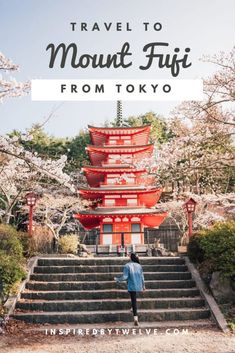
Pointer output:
x,y
168,236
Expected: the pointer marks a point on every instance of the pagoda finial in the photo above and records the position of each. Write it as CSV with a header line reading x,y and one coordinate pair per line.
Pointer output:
x,y
119,114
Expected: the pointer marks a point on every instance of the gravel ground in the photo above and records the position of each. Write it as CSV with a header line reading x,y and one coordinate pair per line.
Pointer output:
x,y
201,341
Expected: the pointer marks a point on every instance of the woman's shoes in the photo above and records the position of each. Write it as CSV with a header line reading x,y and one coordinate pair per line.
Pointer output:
x,y
136,322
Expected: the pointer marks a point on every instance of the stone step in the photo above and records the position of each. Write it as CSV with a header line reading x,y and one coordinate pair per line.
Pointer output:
x,y
109,261
105,269
83,291
109,304
70,277
65,286
113,316
109,294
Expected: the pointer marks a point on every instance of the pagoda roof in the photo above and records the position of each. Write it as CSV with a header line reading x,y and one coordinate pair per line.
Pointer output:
x,y
146,196
119,211
112,169
98,154
93,218
120,188
99,135
96,175
120,149
115,130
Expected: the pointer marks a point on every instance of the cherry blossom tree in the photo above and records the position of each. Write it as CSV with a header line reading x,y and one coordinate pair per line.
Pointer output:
x,y
210,209
21,171
52,169
9,87
219,93
55,210
15,179
201,154
10,146
199,158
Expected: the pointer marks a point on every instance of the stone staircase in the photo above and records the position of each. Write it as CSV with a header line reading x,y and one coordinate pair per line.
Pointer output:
x,y
82,291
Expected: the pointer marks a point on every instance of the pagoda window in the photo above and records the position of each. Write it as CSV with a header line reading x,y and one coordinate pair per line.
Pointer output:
x,y
107,228
127,158
111,181
114,158
118,159
112,140
125,140
107,234
132,202
136,233
130,180
109,202
113,178
135,227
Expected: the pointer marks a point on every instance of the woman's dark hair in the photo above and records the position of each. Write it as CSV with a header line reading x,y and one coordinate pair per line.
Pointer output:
x,y
134,258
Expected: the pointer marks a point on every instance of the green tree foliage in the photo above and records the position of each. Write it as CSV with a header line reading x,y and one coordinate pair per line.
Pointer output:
x,y
11,259
160,132
216,247
44,144
47,146
10,242
77,155
10,273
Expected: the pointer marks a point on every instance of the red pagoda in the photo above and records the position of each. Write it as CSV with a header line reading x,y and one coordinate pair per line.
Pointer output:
x,y
126,198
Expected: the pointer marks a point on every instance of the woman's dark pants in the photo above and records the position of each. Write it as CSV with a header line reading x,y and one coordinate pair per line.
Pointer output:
x,y
133,302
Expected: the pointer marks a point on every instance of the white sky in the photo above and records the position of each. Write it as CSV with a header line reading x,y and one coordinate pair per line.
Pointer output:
x,y
28,26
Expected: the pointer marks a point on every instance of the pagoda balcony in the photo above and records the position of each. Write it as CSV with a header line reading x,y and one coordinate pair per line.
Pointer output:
x,y
142,183
107,207
118,155
123,144
116,175
119,164
102,185
117,188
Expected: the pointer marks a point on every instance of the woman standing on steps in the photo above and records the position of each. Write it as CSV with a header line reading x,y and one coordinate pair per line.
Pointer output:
x,y
133,274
